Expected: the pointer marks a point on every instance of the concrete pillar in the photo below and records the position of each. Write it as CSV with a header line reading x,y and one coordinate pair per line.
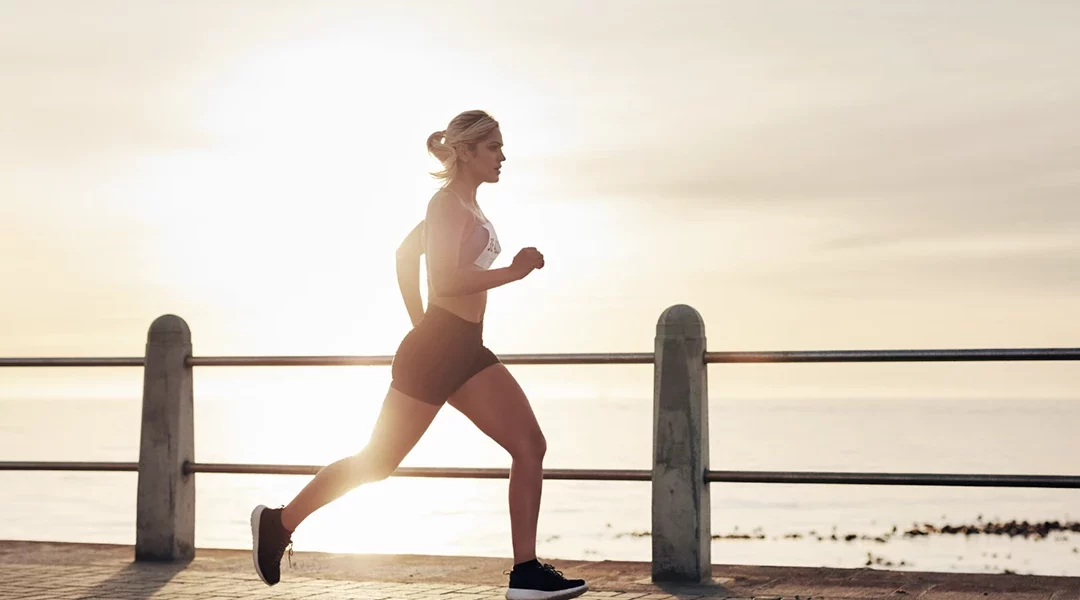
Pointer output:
x,y
165,517
681,535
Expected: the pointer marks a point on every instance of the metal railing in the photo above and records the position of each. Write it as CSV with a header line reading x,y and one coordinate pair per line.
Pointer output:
x,y
680,466
72,362
624,358
862,356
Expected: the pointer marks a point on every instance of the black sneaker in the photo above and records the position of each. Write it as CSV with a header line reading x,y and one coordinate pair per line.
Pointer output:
x,y
534,581
269,539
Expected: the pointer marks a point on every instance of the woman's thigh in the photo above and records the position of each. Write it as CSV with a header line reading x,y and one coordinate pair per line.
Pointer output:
x,y
401,423
496,404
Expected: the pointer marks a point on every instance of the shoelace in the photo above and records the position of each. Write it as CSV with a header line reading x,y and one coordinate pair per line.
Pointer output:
x,y
547,568
286,544
551,569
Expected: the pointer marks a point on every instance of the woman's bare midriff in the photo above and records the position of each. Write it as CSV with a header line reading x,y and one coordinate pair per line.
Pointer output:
x,y
471,307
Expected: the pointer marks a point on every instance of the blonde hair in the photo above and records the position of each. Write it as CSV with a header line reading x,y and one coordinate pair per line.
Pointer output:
x,y
464,132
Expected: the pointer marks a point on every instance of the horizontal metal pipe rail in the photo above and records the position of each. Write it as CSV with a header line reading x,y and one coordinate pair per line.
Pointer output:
x,y
267,469
907,479
68,466
429,472
621,358
136,361
826,356
625,358
781,477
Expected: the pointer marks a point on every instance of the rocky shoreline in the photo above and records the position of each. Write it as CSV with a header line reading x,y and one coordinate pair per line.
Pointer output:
x,y
1037,531
1028,530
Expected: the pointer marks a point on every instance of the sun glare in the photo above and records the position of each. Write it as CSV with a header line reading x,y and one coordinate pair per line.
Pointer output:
x,y
284,224
317,170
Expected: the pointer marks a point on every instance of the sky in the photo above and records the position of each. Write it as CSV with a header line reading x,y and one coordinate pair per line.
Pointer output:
x,y
827,175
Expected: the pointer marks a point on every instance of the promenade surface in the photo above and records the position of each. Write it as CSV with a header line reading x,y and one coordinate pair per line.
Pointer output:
x,y
32,570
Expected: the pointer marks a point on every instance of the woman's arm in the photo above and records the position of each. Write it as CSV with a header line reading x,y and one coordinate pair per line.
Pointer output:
x,y
408,272
446,221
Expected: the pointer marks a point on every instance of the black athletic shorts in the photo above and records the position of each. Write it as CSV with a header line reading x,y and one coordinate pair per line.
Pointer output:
x,y
439,355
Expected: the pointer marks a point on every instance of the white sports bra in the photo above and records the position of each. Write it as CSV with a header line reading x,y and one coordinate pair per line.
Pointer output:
x,y
484,237
480,244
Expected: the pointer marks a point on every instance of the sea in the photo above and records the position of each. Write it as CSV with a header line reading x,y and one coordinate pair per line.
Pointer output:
x,y
310,417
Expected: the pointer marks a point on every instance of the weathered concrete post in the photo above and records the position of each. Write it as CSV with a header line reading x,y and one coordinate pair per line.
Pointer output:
x,y
681,536
165,516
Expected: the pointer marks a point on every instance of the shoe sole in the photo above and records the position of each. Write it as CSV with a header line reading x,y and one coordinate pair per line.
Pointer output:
x,y
256,516
523,594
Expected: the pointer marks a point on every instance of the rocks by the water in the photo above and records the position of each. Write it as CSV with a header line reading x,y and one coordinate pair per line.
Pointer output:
x,y
738,536
635,534
1010,528
872,560
1036,531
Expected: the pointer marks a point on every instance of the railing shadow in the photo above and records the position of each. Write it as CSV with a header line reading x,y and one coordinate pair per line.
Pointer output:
x,y
137,581
694,590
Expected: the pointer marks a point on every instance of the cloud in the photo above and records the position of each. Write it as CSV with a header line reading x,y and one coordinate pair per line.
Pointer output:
x,y
83,81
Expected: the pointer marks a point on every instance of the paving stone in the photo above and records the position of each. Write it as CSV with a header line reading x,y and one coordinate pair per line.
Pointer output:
x,y
23,579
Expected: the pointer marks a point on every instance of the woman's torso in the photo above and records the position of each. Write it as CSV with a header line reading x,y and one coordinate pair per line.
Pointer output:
x,y
478,249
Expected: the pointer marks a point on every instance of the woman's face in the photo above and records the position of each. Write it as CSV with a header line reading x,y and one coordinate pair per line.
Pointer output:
x,y
486,161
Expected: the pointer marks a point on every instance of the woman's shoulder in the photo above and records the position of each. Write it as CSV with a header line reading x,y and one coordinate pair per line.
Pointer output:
x,y
445,204
442,200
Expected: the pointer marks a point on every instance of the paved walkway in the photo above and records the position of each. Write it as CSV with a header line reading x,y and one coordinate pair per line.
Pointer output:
x,y
33,570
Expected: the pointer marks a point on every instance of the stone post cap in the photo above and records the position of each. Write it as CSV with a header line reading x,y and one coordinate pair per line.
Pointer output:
x,y
168,330
681,321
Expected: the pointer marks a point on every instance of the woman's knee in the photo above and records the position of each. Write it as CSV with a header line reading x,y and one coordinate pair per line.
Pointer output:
x,y
373,464
530,448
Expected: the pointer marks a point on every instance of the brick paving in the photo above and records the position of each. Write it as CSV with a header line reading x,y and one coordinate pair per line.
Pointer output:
x,y
41,570
142,582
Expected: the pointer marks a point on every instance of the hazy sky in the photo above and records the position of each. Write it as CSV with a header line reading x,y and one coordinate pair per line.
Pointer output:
x,y
808,175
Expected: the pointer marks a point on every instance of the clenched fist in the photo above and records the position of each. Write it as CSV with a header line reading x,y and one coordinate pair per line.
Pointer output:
x,y
526,260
